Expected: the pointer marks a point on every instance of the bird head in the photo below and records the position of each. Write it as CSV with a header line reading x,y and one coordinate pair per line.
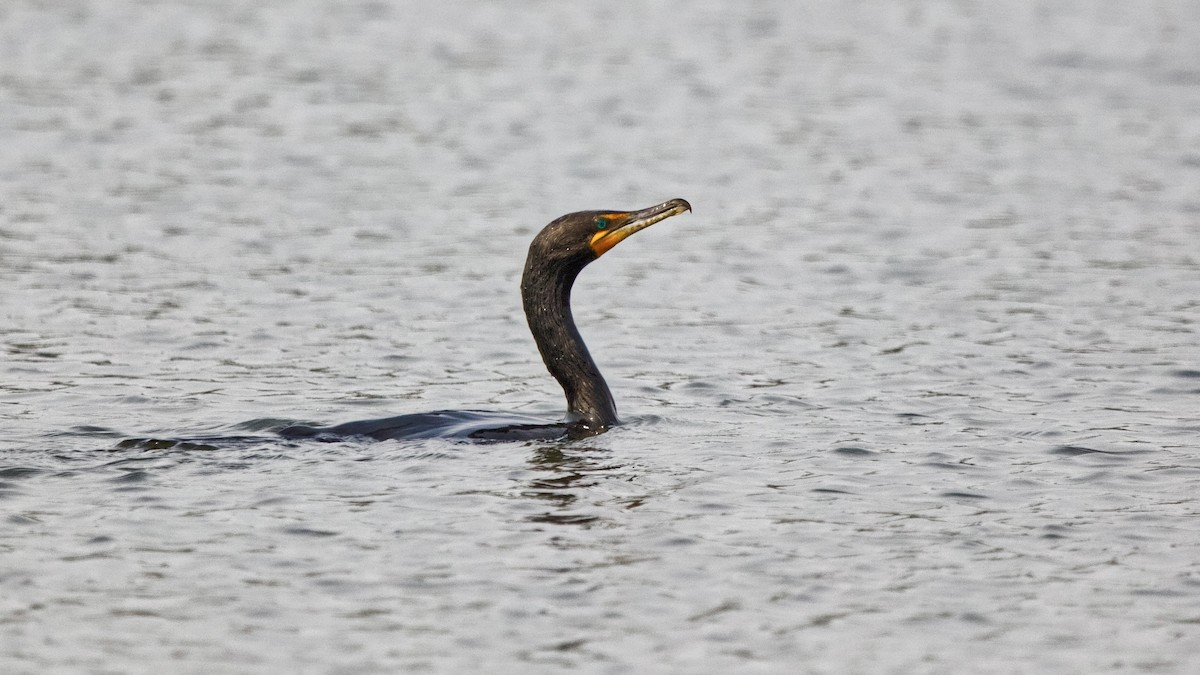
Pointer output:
x,y
582,237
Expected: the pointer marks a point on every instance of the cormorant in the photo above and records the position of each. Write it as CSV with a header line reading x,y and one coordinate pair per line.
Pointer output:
x,y
557,255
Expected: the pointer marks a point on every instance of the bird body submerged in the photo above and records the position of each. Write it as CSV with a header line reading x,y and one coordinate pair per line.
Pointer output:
x,y
556,257
474,424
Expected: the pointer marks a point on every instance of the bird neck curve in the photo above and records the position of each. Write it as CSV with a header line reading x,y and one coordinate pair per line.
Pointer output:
x,y
546,295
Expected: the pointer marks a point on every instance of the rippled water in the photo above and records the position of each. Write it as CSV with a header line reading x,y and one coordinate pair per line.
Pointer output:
x,y
914,389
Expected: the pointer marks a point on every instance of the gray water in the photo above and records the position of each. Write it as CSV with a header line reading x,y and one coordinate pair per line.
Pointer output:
x,y
913,390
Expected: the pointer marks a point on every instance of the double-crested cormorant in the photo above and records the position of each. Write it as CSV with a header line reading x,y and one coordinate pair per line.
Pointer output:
x,y
558,253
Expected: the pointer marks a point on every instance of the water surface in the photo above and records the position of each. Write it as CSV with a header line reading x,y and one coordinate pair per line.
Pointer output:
x,y
913,389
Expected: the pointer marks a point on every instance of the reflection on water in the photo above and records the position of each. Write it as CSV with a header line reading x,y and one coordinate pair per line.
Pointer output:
x,y
564,475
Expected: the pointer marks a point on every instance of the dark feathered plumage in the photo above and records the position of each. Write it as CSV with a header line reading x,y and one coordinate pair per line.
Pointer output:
x,y
556,257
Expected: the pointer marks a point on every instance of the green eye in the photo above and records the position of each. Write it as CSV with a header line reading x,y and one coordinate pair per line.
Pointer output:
x,y
601,223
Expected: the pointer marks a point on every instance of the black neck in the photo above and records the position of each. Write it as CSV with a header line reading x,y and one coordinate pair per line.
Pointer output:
x,y
546,292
